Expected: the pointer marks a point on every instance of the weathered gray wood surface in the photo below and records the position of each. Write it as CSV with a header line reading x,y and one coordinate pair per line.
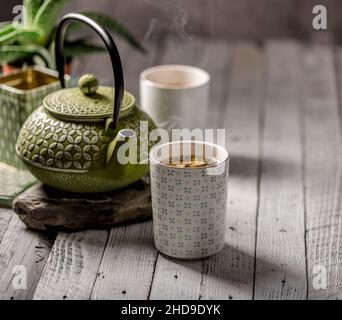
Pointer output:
x,y
71,268
280,264
20,247
322,149
279,104
229,275
127,266
130,249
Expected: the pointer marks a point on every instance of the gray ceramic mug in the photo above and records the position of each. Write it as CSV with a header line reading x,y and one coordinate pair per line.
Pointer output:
x,y
189,204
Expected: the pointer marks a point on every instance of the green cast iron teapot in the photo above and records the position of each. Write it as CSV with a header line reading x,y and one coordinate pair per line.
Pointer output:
x,y
71,142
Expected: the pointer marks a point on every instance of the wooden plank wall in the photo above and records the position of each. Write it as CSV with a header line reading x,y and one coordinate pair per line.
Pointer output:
x,y
247,20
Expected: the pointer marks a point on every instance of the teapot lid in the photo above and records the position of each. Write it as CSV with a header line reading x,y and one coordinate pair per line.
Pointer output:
x,y
88,102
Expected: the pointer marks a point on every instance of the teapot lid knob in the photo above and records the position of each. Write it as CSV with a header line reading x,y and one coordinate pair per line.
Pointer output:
x,y
88,84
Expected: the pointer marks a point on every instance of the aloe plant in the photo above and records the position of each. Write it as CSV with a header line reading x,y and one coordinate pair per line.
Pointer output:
x,y
22,43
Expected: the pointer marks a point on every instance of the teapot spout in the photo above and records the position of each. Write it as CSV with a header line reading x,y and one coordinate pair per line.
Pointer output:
x,y
123,148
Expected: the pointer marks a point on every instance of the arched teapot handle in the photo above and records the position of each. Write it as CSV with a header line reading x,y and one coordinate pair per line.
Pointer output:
x,y
111,47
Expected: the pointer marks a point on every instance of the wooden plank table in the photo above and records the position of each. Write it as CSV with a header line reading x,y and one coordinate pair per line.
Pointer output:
x,y
279,104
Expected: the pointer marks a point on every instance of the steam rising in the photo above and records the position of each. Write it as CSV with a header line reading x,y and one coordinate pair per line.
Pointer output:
x,y
173,18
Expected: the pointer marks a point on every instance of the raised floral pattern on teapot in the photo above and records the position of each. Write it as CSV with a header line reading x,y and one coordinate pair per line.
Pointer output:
x,y
45,141
73,103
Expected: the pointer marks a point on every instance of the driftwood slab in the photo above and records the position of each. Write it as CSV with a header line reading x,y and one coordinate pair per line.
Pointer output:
x,y
43,208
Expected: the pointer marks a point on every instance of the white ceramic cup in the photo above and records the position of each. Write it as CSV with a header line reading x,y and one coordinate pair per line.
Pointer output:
x,y
175,96
189,204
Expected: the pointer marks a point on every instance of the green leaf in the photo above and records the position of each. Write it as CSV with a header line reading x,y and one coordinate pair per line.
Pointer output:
x,y
21,34
6,29
29,35
48,14
11,53
80,47
111,25
32,7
